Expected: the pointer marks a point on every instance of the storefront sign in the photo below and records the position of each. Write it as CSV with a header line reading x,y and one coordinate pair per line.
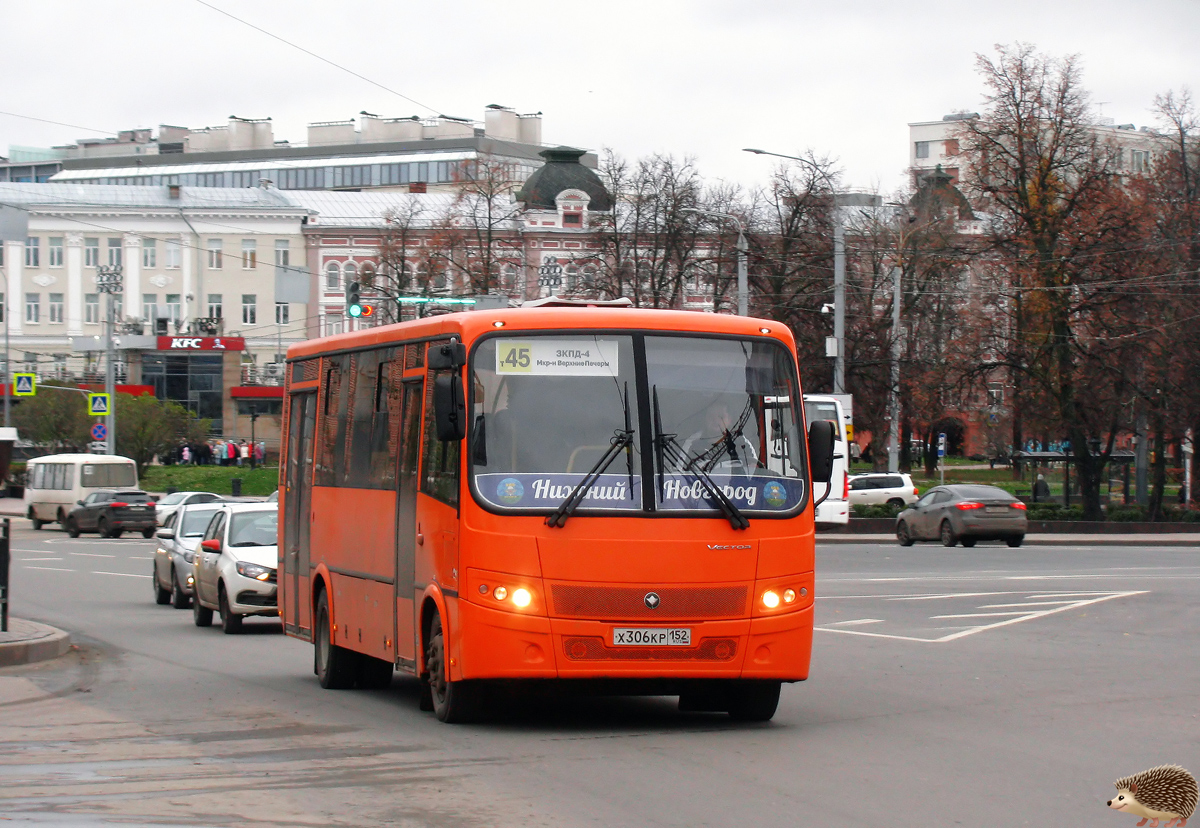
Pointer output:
x,y
201,343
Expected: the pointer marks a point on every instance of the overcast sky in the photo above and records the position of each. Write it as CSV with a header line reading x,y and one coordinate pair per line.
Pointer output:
x,y
702,78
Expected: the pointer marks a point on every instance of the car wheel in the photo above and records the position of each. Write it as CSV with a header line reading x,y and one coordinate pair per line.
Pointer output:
x,y
179,599
334,665
37,524
968,542
147,533
754,701
947,534
102,528
201,615
902,534
1015,542
72,528
454,702
231,622
161,596
374,673
62,520
897,502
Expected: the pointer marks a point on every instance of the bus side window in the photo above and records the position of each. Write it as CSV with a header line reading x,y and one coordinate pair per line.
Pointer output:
x,y
39,472
439,461
333,414
68,476
364,369
385,426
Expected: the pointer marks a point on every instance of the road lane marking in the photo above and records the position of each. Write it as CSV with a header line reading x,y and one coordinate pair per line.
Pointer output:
x,y
125,574
855,622
1026,604
39,559
50,568
92,554
978,615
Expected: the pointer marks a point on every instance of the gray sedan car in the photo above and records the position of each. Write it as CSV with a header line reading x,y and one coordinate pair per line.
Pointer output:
x,y
176,552
963,512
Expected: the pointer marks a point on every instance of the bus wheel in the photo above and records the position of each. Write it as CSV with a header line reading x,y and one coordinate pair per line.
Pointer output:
x,y
454,702
753,701
374,673
334,665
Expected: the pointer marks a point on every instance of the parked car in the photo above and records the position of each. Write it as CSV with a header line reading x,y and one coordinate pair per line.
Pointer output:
x,y
874,488
112,513
167,504
235,565
176,552
963,512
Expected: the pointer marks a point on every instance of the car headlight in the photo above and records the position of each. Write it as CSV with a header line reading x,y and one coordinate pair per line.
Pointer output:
x,y
250,570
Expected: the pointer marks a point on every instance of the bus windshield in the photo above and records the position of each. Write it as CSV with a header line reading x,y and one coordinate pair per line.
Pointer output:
x,y
713,413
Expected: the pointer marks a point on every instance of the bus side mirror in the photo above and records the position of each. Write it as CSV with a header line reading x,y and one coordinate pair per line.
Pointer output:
x,y
449,407
447,356
820,450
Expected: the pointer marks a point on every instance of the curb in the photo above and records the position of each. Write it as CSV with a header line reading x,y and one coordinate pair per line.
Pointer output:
x,y
27,642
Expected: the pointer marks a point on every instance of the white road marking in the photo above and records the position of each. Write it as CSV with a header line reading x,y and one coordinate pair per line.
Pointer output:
x,y
51,568
1026,604
126,574
855,622
40,559
978,615
92,554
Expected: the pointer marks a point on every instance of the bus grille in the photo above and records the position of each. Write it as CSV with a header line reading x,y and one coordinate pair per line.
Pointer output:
x,y
572,601
588,648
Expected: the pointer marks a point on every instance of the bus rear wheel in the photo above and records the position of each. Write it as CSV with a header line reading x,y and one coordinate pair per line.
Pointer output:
x,y
454,702
335,666
754,701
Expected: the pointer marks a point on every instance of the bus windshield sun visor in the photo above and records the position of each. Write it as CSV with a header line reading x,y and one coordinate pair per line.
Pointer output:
x,y
622,440
667,447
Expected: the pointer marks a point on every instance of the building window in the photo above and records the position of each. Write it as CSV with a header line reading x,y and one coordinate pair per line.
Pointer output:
x,y
214,254
174,306
91,252
114,252
149,300
572,219
995,397
55,251
1139,160
281,313
350,271
91,308
249,309
333,324
149,253
55,307
923,149
249,254
174,254
283,253
333,276
32,252
214,306
33,307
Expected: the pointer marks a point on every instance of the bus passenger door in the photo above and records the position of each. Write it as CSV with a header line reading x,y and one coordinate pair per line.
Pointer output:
x,y
297,512
406,521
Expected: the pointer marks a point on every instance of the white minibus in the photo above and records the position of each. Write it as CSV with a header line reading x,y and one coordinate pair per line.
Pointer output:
x,y
55,483
835,509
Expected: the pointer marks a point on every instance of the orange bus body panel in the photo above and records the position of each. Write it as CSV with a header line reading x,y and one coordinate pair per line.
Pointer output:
x,y
583,578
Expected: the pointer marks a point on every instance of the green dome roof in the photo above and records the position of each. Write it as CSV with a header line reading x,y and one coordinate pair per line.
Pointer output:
x,y
562,171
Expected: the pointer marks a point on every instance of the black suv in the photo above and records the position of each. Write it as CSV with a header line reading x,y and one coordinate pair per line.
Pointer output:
x,y
112,512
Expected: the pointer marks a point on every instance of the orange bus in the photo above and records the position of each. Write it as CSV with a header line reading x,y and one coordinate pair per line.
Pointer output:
x,y
621,498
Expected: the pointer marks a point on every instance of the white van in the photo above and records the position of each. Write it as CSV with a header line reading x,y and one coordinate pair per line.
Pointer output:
x,y
835,510
55,483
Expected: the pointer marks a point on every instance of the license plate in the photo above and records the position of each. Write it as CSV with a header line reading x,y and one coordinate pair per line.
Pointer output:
x,y
651,637
997,510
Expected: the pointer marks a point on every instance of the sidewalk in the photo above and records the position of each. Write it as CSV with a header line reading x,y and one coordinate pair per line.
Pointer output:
x,y
1064,539
12,507
28,641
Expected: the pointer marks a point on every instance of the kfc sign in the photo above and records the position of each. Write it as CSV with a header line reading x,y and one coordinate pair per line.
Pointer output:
x,y
201,343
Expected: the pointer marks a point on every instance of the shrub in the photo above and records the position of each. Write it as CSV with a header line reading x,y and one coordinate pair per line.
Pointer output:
x,y
1054,511
881,510
1126,514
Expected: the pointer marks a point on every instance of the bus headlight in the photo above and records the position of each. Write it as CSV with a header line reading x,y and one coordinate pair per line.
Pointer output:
x,y
770,599
500,594
521,597
789,596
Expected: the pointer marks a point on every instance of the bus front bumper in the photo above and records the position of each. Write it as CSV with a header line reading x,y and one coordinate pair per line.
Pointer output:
x,y
495,644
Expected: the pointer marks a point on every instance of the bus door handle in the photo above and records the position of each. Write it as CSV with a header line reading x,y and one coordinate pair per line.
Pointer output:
x,y
420,539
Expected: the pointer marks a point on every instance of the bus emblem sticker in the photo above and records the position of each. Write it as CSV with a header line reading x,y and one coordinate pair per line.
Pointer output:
x,y
652,600
775,494
510,491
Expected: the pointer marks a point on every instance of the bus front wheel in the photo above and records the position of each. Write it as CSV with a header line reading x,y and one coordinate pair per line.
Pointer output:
x,y
754,701
453,701
334,665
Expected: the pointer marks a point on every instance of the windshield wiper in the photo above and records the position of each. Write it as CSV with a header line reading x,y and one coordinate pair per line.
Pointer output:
x,y
666,446
622,439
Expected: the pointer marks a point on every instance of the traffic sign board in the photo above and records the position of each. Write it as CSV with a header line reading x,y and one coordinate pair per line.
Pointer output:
x,y
941,445
99,432
24,385
98,448
98,405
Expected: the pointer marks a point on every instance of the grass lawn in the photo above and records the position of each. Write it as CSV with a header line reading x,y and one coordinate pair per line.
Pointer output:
x,y
216,479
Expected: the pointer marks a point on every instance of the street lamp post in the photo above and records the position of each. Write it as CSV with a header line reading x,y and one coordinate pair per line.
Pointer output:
x,y
108,281
742,250
839,271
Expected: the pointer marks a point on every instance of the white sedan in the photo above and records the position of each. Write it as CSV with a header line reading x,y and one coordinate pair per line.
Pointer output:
x,y
168,504
235,566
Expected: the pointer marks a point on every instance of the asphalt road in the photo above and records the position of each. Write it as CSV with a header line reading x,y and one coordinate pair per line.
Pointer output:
x,y
991,687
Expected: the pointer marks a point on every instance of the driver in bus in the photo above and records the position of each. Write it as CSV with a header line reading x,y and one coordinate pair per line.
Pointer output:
x,y
721,442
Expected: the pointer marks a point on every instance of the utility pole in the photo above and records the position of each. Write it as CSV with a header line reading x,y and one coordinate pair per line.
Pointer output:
x,y
108,282
742,250
1141,459
839,299
894,378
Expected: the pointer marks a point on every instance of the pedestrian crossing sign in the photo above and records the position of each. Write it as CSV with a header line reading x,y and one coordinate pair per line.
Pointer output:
x,y
24,385
97,404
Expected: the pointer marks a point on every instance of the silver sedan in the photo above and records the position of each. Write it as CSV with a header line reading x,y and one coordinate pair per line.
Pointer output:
x,y
963,512
176,552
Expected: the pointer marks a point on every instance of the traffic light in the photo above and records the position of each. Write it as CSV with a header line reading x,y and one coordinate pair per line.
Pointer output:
x,y
366,311
354,305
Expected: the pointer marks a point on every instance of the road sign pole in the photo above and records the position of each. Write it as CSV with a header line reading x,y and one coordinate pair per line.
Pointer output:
x,y
110,378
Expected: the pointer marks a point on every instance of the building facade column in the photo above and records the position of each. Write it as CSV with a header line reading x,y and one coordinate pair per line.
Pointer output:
x,y
14,267
75,287
133,276
193,304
